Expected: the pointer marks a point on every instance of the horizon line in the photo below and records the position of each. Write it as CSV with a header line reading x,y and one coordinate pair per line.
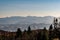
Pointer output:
x,y
26,16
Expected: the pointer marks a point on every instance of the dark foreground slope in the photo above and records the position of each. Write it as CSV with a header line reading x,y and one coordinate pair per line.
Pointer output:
x,y
39,34
5,35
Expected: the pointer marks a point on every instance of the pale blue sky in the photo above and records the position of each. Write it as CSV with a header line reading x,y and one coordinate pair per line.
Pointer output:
x,y
29,8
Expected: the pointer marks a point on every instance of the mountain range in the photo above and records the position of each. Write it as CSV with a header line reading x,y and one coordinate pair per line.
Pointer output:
x,y
14,22
26,20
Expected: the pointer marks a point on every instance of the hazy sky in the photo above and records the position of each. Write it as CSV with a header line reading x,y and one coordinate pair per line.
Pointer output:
x,y
29,8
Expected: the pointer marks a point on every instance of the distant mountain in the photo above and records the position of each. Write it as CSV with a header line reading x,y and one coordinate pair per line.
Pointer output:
x,y
26,20
12,23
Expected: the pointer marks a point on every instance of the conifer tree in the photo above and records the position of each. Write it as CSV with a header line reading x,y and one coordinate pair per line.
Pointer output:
x,y
29,30
19,32
45,34
51,28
